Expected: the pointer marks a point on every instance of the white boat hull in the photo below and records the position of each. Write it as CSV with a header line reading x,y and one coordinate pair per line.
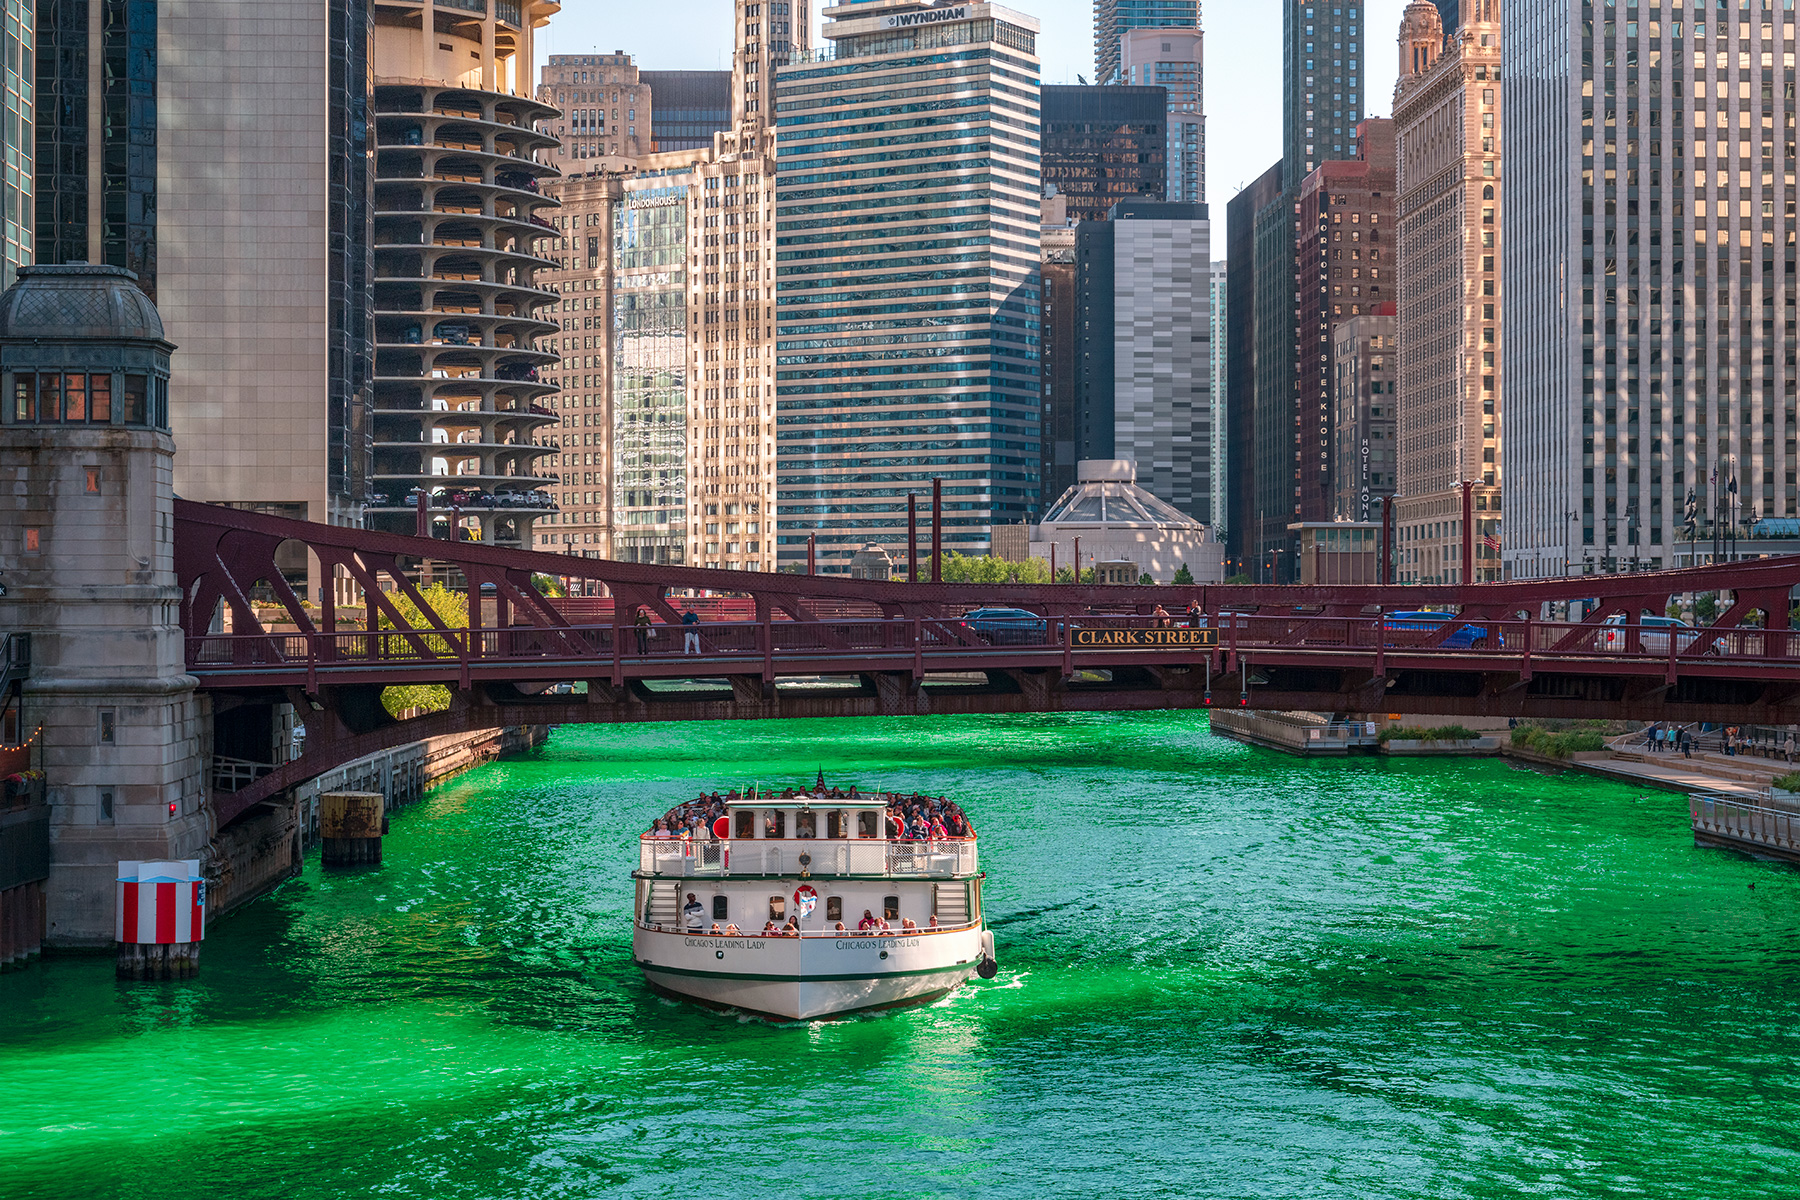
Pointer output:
x,y
800,979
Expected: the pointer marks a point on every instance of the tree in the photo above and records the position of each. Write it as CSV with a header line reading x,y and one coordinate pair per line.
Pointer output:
x,y
1240,577
959,568
548,585
452,610
1706,607
1183,576
1144,580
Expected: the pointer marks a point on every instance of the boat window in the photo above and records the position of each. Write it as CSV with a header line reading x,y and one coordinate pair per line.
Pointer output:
x,y
777,907
775,824
746,824
890,908
865,824
834,824
805,825
834,908
721,908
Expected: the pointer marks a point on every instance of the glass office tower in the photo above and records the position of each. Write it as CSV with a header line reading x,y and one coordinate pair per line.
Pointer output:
x,y
907,286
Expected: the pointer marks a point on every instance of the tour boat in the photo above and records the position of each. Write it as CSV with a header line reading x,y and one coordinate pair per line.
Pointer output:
x,y
870,917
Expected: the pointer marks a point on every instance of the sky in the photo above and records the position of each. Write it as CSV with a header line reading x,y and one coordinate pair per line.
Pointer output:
x,y
1243,60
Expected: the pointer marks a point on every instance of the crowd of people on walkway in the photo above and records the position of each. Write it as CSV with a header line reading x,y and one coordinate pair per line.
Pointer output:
x,y
908,818
1664,738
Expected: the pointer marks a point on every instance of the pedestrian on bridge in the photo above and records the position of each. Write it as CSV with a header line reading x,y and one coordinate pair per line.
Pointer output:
x,y
642,624
690,633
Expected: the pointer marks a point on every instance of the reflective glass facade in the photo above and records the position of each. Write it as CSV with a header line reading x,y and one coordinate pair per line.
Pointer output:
x,y
1105,144
908,299
1112,18
688,107
61,200
650,364
1322,82
128,138
16,183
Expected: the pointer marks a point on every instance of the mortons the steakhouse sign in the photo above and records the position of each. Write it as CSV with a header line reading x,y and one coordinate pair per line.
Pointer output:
x,y
930,16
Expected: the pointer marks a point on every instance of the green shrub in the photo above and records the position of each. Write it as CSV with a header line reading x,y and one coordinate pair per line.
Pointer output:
x,y
1788,783
1557,743
1418,733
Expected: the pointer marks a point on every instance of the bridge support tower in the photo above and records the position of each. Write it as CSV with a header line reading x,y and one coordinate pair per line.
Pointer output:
x,y
86,470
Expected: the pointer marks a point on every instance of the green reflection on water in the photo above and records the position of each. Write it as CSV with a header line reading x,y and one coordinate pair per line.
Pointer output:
x,y
1225,973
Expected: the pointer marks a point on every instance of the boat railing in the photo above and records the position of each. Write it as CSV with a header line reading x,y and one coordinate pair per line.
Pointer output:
x,y
871,934
937,858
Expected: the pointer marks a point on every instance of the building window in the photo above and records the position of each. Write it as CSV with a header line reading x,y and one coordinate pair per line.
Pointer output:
x,y
108,727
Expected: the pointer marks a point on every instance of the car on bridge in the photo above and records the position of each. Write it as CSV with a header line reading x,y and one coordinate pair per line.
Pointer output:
x,y
1008,626
1424,627
1654,636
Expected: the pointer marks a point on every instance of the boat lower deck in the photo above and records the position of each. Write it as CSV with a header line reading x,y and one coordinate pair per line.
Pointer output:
x,y
809,976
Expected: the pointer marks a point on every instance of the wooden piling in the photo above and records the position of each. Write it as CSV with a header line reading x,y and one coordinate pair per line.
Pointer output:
x,y
350,828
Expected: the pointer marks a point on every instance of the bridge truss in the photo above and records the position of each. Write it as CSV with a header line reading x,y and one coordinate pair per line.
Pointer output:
x,y
799,645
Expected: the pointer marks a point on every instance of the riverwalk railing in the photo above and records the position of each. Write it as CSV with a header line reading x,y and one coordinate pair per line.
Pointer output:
x,y
1719,817
940,858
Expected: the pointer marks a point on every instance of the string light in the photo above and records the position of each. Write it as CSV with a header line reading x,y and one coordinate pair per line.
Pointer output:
x,y
4,749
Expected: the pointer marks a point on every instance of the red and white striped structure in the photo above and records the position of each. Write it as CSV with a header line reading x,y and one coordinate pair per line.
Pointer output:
x,y
161,903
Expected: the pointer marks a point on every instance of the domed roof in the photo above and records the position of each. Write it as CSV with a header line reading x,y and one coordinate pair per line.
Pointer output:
x,y
78,301
1106,496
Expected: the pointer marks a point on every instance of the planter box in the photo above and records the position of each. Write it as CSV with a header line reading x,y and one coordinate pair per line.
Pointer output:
x,y
1463,746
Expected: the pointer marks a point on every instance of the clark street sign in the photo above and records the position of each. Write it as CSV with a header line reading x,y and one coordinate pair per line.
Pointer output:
x,y
930,16
1146,639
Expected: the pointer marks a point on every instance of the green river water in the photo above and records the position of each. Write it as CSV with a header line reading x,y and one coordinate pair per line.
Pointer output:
x,y
1225,973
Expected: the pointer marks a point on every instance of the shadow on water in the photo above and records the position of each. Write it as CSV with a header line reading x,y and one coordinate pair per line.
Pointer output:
x,y
1225,973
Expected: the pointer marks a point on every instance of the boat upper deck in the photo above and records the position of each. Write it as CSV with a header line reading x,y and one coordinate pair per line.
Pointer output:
x,y
820,831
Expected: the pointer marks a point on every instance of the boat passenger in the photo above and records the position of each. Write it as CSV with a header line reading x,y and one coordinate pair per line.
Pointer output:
x,y
934,922
840,928
694,912
733,931
867,923
792,928
907,925
770,929
938,830
660,830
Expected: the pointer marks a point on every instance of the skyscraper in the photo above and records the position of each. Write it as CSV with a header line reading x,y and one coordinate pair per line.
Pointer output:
x,y
1446,110
1648,281
1143,285
1322,46
1173,59
1246,308
1112,18
222,153
1221,427
1102,145
668,406
908,288
463,351
606,112
1321,81
1344,259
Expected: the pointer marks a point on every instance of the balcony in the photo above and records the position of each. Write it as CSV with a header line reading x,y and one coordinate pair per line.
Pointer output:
x,y
949,858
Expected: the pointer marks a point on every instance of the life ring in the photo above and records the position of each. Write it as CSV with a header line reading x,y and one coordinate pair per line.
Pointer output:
x,y
721,827
806,897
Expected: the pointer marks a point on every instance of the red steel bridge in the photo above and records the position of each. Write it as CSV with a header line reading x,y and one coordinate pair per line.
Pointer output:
x,y
801,645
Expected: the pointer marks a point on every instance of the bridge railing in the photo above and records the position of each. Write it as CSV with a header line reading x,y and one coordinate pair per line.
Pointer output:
x,y
827,856
1509,643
